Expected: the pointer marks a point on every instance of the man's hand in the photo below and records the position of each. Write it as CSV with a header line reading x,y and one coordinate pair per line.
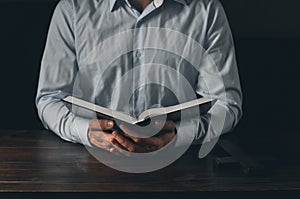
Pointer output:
x,y
128,142
99,134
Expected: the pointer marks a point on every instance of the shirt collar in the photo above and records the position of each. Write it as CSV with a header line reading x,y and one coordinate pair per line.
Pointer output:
x,y
112,3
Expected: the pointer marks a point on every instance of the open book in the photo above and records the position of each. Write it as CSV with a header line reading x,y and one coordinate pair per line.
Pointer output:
x,y
150,113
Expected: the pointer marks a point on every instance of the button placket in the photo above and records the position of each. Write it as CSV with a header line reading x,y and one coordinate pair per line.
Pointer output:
x,y
139,76
138,54
136,62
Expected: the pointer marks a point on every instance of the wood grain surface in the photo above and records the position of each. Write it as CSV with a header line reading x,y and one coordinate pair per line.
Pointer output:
x,y
35,161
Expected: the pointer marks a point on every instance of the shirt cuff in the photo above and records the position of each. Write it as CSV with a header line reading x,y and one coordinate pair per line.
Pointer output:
x,y
186,132
81,131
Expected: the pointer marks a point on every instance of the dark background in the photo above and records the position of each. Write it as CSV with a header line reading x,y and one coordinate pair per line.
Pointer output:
x,y
267,38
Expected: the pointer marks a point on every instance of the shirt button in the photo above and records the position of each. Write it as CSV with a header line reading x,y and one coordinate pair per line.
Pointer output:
x,y
158,3
138,54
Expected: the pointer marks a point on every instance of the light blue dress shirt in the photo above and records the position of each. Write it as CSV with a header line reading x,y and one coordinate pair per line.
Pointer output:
x,y
102,50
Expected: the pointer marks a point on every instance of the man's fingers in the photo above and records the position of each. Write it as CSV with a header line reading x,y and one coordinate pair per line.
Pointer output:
x,y
98,139
104,141
119,147
124,142
101,135
115,150
143,144
101,124
128,132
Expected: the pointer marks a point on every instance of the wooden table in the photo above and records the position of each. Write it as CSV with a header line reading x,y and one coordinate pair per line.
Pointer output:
x,y
40,161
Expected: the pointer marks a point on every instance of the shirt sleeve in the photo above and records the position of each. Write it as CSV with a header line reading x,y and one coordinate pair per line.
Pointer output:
x,y
57,74
222,84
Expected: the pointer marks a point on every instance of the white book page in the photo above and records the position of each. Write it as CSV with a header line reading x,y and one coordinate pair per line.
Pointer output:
x,y
99,109
170,109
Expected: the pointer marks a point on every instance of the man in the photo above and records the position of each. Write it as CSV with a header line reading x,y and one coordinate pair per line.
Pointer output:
x,y
79,32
